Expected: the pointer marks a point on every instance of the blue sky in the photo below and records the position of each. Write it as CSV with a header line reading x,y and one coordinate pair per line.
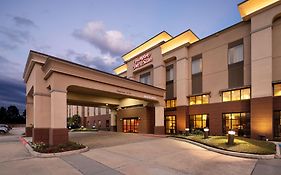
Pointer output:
x,y
95,33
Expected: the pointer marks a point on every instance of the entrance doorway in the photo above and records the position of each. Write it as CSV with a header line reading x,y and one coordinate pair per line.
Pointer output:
x,y
130,125
170,124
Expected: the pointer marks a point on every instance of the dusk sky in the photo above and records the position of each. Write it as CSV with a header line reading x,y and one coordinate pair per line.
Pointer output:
x,y
95,33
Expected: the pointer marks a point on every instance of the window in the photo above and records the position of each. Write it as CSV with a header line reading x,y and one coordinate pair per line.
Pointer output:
x,y
145,78
171,103
196,66
196,71
199,99
169,82
99,111
239,122
235,54
199,121
235,64
236,95
277,89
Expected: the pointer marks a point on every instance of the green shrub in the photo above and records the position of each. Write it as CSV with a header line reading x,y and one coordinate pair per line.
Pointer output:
x,y
45,148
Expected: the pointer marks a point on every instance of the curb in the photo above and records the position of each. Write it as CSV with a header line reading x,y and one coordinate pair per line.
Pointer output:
x,y
49,155
229,153
278,150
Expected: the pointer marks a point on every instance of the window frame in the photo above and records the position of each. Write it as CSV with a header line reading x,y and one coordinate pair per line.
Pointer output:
x,y
276,84
240,92
197,96
233,45
146,74
193,116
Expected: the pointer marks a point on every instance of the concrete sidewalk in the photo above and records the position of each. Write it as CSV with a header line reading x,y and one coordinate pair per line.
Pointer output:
x,y
88,166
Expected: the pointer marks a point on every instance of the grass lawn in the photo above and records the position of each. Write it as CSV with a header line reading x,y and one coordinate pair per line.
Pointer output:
x,y
241,144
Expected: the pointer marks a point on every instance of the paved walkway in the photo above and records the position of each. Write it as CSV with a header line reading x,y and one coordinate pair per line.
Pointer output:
x,y
88,166
131,154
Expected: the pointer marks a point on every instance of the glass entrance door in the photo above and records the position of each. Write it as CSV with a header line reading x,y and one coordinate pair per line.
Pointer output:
x,y
170,124
130,125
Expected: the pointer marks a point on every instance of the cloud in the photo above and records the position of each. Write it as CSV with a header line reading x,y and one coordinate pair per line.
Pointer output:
x,y
9,69
104,62
12,89
21,21
14,35
110,42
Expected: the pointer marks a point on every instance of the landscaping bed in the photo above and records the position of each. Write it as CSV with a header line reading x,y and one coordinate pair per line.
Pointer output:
x,y
241,144
83,130
44,148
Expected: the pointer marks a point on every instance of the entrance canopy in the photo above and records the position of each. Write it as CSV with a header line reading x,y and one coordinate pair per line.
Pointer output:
x,y
52,83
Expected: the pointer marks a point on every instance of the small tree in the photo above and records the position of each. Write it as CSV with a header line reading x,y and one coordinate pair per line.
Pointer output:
x,y
74,121
3,115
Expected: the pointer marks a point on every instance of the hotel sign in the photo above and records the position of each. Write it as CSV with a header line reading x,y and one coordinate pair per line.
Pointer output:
x,y
141,61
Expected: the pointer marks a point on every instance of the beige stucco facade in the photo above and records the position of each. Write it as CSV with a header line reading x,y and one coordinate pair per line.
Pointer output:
x,y
52,83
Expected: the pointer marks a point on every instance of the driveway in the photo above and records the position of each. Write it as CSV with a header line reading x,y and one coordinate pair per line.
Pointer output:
x,y
119,153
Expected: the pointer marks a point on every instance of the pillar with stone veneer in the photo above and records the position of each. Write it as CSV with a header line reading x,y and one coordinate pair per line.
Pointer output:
x,y
29,116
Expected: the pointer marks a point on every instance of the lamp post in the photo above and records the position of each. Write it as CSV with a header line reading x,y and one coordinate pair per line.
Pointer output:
x,y
186,131
230,138
206,132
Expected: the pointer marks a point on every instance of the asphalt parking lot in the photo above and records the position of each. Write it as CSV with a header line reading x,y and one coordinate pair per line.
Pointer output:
x,y
119,153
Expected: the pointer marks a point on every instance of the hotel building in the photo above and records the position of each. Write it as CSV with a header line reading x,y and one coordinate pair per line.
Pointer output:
x,y
230,80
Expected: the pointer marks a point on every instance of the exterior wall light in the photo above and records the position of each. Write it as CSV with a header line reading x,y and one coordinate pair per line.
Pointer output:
x,y
186,131
230,138
206,133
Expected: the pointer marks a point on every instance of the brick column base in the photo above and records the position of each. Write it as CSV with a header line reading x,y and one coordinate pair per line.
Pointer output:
x,y
58,136
28,131
159,130
113,128
40,135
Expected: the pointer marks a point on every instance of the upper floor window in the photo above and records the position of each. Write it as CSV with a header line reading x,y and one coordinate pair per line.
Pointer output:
x,y
169,82
145,78
236,95
277,89
196,71
196,66
199,99
170,73
235,54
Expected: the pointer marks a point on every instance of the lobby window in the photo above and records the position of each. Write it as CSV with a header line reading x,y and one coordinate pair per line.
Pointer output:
x,y
235,64
171,103
236,95
238,122
169,82
277,89
145,78
198,121
196,71
199,99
